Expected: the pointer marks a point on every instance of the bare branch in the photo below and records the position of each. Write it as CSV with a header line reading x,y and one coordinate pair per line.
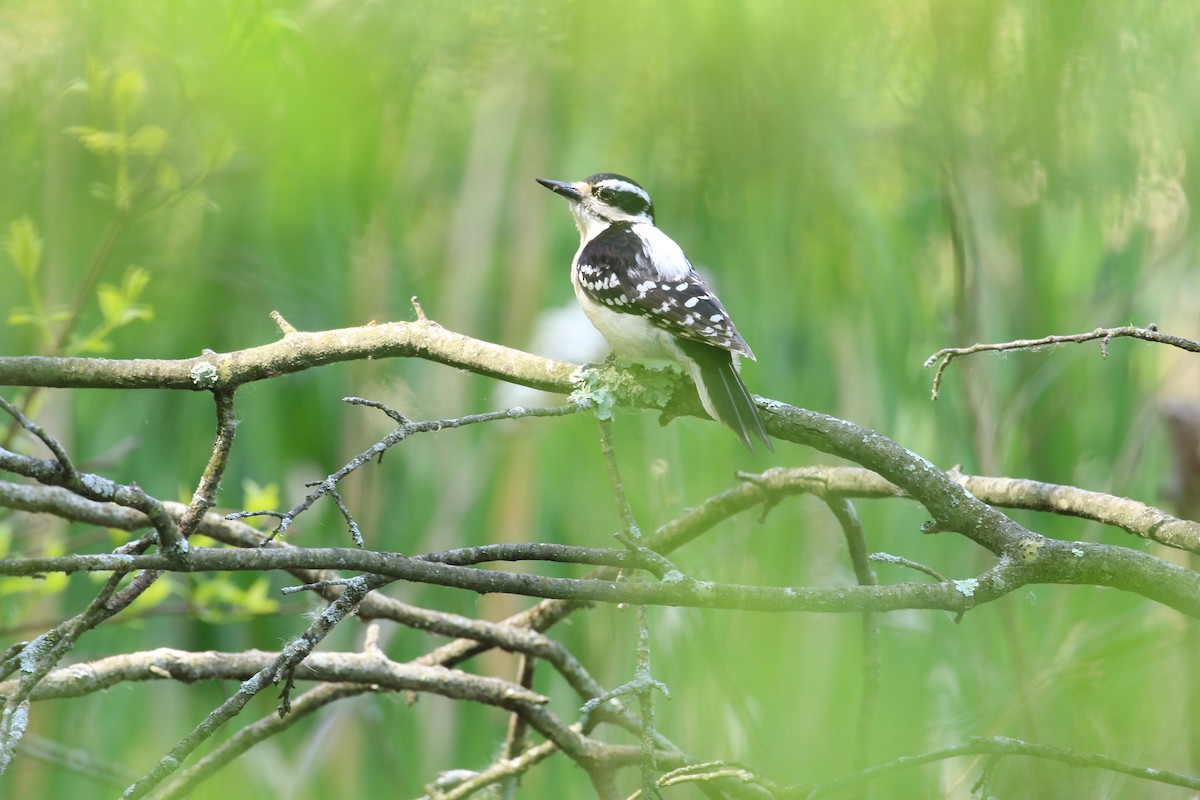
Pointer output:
x,y
699,594
308,703
1150,333
295,352
371,668
295,652
328,486
1129,515
888,558
205,496
872,670
284,326
60,454
51,472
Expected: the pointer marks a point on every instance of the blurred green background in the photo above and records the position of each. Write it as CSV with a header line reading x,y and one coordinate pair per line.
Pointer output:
x,y
864,183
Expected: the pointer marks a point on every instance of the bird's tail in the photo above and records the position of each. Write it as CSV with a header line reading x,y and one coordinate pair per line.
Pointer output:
x,y
722,392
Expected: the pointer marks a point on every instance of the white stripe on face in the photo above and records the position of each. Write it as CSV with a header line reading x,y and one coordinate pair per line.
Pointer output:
x,y
623,186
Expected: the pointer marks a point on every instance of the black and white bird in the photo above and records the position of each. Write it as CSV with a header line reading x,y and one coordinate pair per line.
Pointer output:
x,y
640,291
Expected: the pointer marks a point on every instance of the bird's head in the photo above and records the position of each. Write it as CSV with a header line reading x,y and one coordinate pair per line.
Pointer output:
x,y
603,199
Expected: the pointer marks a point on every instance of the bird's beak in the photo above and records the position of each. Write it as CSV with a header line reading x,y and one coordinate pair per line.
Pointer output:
x,y
567,190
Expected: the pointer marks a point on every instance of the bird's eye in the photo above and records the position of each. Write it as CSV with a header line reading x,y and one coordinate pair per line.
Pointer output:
x,y
607,195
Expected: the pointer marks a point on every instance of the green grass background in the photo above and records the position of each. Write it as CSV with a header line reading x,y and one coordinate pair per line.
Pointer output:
x,y
823,162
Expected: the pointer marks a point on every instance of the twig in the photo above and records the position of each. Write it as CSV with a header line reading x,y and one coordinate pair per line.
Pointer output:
x,y
40,656
295,652
96,487
515,741
710,771
628,524
284,326
1150,333
406,428
995,746
205,496
238,743
60,454
420,312
888,558
872,670
630,534
645,697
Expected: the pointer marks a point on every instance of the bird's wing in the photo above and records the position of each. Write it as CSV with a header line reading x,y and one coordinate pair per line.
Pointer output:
x,y
615,270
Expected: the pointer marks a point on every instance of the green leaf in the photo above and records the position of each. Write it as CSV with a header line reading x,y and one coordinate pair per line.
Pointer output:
x,y
148,140
23,315
128,90
95,77
123,188
279,20
26,315
167,177
24,247
118,307
76,86
256,598
158,591
134,282
255,496
217,151
92,344
112,302
98,141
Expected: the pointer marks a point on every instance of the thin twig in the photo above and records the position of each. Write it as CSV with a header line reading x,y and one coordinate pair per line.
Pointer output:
x,y
515,741
60,453
872,670
1150,333
205,496
995,746
96,487
284,326
328,485
645,697
288,658
628,524
888,558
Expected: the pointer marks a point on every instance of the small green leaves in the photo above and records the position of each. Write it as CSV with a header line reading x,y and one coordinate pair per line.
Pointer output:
x,y
255,496
217,150
100,142
148,140
127,91
119,307
119,304
218,597
151,167
24,246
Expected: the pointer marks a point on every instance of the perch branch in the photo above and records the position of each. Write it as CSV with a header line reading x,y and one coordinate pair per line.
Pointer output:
x,y
297,351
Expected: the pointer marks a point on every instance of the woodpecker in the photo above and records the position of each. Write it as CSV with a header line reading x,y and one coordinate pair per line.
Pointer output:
x,y
640,291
